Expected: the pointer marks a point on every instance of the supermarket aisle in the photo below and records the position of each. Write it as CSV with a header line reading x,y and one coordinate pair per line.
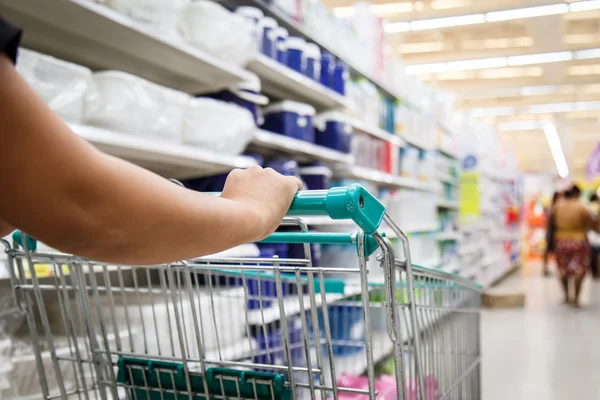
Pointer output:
x,y
545,351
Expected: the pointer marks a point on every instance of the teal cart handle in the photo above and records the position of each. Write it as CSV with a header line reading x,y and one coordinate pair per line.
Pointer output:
x,y
17,236
346,202
323,238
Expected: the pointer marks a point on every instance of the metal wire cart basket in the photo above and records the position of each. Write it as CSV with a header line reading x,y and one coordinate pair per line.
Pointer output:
x,y
250,328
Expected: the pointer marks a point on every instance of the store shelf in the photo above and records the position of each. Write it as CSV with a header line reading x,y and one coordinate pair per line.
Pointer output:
x,y
417,142
299,149
284,83
447,178
377,132
96,36
448,236
167,159
470,248
382,178
291,305
449,204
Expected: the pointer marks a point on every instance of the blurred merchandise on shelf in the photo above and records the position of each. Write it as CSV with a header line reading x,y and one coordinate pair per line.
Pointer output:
x,y
413,210
247,95
409,164
292,119
61,84
334,130
316,176
218,126
126,103
208,26
163,16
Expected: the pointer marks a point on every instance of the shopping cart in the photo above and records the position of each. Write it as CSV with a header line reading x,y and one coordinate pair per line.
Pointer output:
x,y
251,327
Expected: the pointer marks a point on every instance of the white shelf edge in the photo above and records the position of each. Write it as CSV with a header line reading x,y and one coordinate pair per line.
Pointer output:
x,y
377,133
447,236
281,81
383,178
450,153
274,141
115,41
177,160
417,142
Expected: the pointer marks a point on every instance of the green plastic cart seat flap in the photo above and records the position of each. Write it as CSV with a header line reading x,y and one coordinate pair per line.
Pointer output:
x,y
347,202
163,380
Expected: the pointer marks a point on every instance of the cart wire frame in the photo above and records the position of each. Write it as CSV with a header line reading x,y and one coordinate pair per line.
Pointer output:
x,y
250,328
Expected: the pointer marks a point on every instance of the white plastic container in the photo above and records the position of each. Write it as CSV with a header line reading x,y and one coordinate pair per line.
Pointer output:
x,y
62,85
163,15
211,27
128,104
217,125
313,61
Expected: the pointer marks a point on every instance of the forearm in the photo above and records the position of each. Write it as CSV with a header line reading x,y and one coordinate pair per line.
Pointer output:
x,y
64,192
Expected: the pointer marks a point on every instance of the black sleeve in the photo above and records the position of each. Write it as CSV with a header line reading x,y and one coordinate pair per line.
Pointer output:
x,y
10,37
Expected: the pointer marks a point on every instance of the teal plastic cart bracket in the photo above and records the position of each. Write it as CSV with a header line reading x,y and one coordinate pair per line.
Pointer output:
x,y
18,238
147,378
348,202
322,238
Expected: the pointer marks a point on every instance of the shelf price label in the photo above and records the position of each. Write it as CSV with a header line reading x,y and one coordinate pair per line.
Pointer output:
x,y
469,210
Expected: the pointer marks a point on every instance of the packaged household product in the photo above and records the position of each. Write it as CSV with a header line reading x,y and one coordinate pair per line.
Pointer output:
x,y
247,95
284,167
281,45
410,161
313,62
296,48
316,176
165,16
129,104
253,15
268,27
291,119
217,125
334,130
426,168
340,76
209,26
327,69
62,85
347,326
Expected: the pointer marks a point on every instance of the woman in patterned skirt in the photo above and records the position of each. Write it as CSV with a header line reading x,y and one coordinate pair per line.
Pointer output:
x,y
572,250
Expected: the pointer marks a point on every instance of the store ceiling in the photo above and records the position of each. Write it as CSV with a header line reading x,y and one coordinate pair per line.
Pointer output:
x,y
518,73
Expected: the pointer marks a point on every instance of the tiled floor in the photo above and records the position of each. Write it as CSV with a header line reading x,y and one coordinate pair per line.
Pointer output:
x,y
546,351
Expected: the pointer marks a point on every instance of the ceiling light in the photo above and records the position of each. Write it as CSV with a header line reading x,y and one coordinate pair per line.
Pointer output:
x,y
530,12
423,47
377,9
425,68
492,111
539,90
584,5
556,149
550,108
447,22
540,58
586,54
482,63
396,27
447,4
519,126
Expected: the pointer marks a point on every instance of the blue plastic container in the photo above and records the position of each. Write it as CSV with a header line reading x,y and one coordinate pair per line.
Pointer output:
x,y
340,77
263,292
284,167
296,250
292,119
270,340
315,177
268,28
313,61
347,326
281,45
327,69
295,53
247,95
334,130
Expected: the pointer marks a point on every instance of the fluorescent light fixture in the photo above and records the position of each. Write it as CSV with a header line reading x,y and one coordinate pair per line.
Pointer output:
x,y
550,108
541,58
584,6
586,54
396,27
530,12
495,62
556,149
447,22
482,63
539,90
377,9
519,126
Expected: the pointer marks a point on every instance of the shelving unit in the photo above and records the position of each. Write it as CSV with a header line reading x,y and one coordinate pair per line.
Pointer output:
x,y
382,178
377,132
285,83
92,34
167,159
450,205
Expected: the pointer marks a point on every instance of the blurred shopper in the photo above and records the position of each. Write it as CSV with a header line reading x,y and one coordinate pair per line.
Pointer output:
x,y
594,237
571,247
550,230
